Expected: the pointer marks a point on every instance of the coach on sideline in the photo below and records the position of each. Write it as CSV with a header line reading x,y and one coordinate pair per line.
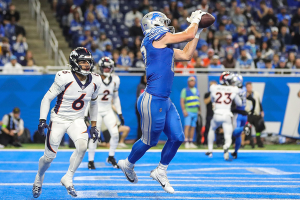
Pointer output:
x,y
12,128
190,105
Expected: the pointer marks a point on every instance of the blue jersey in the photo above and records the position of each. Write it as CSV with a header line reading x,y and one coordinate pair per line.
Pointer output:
x,y
159,63
243,95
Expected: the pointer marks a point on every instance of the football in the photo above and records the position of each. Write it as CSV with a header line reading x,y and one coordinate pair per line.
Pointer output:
x,y
206,21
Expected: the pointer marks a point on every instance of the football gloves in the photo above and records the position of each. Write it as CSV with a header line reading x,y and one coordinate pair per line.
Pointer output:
x,y
195,16
94,134
42,125
122,119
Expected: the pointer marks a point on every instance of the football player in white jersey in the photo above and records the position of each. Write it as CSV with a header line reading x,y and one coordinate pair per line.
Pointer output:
x,y
74,89
108,93
222,96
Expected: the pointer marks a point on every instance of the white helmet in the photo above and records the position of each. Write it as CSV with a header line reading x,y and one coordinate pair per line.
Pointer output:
x,y
154,19
106,62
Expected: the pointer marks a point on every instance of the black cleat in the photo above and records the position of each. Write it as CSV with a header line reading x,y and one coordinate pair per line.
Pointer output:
x,y
91,165
36,191
209,154
234,155
111,160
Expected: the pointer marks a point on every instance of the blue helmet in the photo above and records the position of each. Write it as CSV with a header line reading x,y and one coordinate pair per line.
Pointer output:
x,y
81,54
154,19
237,80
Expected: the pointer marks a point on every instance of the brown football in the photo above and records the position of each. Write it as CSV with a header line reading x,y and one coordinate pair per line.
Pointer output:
x,y
206,21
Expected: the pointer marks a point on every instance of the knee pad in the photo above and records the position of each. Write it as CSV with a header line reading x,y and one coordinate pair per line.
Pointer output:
x,y
46,159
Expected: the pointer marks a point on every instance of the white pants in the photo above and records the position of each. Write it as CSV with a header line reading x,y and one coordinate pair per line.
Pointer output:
x,y
75,129
110,121
224,120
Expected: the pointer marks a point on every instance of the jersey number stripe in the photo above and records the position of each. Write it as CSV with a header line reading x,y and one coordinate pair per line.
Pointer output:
x,y
78,103
226,101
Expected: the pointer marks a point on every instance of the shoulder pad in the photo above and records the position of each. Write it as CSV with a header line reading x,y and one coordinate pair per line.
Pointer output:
x,y
157,32
62,77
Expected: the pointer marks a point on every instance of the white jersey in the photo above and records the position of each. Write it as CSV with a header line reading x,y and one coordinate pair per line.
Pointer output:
x,y
110,85
74,95
222,97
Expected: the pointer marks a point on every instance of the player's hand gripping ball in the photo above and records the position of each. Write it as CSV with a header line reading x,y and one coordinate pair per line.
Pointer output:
x,y
203,19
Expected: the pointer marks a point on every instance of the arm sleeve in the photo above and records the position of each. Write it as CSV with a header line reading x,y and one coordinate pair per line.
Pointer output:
x,y
21,124
117,102
93,110
86,112
56,88
253,103
5,121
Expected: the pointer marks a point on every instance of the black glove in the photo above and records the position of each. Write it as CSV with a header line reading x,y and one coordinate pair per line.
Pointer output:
x,y
42,125
122,119
87,121
95,134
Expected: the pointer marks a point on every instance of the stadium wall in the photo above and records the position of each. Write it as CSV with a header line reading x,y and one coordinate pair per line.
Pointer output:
x,y
279,99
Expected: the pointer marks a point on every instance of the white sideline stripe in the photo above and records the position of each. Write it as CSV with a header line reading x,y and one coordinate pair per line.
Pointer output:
x,y
93,192
159,150
189,177
157,185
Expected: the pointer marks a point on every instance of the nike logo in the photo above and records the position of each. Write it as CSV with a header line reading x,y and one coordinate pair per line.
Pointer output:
x,y
161,183
128,178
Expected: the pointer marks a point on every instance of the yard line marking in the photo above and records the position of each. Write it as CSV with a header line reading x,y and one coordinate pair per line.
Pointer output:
x,y
157,185
93,192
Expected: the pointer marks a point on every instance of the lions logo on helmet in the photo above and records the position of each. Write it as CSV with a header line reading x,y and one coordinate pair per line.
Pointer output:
x,y
225,78
154,19
237,80
81,54
106,66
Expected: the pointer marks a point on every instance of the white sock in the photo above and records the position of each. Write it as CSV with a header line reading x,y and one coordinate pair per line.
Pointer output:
x,y
44,164
92,149
114,141
128,164
210,140
162,168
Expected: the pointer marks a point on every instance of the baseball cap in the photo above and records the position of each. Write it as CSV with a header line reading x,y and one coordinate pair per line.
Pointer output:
x,y
210,50
13,57
268,30
251,37
215,57
179,4
240,39
224,17
229,37
286,17
191,78
16,110
87,28
274,29
282,59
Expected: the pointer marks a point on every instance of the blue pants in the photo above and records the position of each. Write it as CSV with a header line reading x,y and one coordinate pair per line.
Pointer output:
x,y
240,123
157,115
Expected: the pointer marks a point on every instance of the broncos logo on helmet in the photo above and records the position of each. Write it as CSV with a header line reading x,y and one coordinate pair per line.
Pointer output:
x,y
81,54
106,63
225,78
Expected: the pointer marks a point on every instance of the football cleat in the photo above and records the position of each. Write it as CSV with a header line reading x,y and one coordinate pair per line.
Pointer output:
x,y
247,129
91,165
111,160
36,191
68,185
226,154
187,145
129,172
193,146
209,154
234,155
162,179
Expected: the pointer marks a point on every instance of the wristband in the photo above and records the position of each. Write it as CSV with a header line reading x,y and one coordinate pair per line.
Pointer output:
x,y
198,33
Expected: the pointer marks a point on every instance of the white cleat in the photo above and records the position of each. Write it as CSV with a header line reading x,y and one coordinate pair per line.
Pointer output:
x,y
129,172
226,154
122,145
69,186
193,146
187,145
163,180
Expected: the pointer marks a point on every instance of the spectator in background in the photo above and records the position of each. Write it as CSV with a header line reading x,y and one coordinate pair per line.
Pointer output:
x,y
12,67
295,22
269,66
131,15
203,51
103,41
229,46
12,12
244,62
174,10
114,8
238,18
221,12
124,61
275,60
28,57
275,43
285,36
137,45
185,65
251,45
92,23
102,10
136,29
203,6
184,24
263,11
86,39
140,89
12,128
291,60
96,53
219,50
209,111
76,25
297,65
283,13
266,51
221,34
229,61
190,105
257,118
258,61
5,52
115,56
282,65
144,8
20,47
206,61
138,61
215,63
90,9
210,37
284,22
108,51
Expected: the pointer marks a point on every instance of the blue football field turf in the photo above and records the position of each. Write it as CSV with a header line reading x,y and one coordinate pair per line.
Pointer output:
x,y
254,175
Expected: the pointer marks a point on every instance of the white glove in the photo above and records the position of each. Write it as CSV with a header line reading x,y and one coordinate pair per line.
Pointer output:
x,y
195,16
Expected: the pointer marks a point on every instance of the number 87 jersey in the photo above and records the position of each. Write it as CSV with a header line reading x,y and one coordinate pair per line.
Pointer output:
x,y
73,95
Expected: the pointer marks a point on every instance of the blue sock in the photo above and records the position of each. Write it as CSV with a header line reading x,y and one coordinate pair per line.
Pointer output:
x,y
138,150
238,141
169,151
237,131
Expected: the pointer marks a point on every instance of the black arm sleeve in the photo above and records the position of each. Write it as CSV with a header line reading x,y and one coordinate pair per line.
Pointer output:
x,y
253,103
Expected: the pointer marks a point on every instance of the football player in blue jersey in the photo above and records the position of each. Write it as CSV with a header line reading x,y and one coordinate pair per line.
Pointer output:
x,y
240,114
158,113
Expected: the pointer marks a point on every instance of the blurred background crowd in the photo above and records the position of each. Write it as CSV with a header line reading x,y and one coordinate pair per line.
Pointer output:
x,y
247,34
